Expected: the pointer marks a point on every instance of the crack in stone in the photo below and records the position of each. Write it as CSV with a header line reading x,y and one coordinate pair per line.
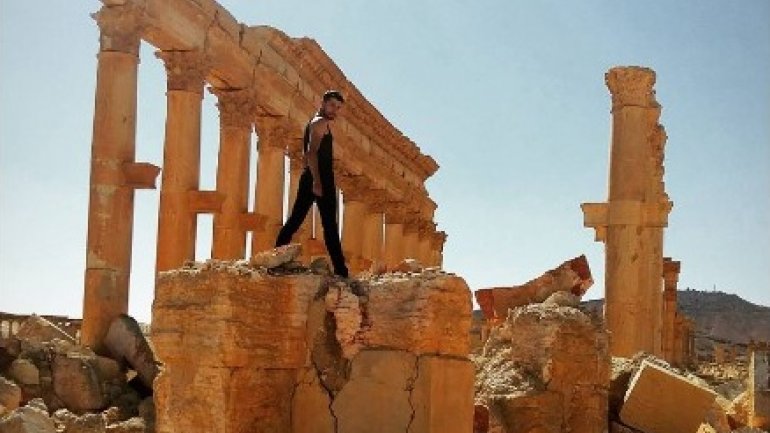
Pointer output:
x,y
410,389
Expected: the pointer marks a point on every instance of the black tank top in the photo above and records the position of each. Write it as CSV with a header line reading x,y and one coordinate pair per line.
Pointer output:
x,y
325,155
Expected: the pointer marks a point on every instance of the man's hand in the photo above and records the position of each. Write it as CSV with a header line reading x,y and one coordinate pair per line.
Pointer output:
x,y
317,190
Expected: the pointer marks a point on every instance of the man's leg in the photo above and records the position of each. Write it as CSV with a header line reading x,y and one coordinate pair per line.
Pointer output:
x,y
302,204
327,207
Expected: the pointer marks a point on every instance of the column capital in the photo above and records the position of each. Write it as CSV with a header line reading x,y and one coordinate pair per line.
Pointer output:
x,y
426,228
438,239
671,269
395,212
186,70
631,85
237,107
355,188
273,132
120,27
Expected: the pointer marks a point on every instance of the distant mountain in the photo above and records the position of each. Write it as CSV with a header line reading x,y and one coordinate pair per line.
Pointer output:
x,y
719,316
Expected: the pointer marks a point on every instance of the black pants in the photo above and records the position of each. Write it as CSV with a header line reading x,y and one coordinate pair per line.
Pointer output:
x,y
327,207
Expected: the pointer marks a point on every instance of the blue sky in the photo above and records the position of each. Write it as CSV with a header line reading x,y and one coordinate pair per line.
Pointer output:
x,y
507,96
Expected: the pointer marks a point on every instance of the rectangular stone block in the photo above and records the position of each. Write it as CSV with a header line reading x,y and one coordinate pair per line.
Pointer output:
x,y
659,401
232,317
442,397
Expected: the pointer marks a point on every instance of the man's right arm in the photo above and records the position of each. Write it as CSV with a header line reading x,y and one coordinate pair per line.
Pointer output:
x,y
316,134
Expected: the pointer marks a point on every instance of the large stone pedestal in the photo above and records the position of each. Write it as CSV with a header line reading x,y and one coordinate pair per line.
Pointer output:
x,y
247,350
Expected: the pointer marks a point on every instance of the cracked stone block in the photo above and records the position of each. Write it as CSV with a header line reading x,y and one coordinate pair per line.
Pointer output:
x,y
660,401
442,395
378,393
310,406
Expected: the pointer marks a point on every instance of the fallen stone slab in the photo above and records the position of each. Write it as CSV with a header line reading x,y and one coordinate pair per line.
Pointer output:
x,y
573,276
660,401
125,341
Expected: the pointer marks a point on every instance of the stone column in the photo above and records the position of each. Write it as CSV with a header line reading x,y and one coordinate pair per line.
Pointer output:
x,y
273,136
424,236
759,389
177,221
353,227
236,114
671,270
374,232
411,231
631,222
437,247
114,174
394,235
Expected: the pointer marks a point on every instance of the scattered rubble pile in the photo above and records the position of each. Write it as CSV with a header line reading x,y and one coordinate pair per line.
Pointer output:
x,y
328,354
48,383
546,368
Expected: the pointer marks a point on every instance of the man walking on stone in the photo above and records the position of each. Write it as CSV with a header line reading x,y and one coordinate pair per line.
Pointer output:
x,y
316,184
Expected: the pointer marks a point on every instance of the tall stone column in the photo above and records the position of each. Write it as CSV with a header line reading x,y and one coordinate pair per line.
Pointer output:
x,y
114,174
236,117
353,227
272,145
394,235
411,230
424,236
374,232
437,248
177,221
631,222
671,278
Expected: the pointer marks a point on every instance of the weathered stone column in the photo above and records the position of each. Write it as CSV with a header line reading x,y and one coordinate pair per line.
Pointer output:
x,y
114,173
424,236
671,270
437,247
177,221
394,235
759,388
374,232
411,230
272,147
631,222
353,226
236,114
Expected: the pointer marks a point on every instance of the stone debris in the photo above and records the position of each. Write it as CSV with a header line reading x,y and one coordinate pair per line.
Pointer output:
x,y
545,368
277,256
572,276
53,385
659,401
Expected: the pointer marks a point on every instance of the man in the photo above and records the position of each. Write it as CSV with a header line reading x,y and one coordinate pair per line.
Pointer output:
x,y
316,184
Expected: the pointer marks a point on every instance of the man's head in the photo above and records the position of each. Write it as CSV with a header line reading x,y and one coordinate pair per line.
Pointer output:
x,y
332,103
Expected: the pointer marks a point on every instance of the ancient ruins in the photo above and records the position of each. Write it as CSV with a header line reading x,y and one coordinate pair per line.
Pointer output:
x,y
268,340
266,82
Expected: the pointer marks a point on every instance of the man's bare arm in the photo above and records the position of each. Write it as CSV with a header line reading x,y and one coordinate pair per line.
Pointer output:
x,y
316,134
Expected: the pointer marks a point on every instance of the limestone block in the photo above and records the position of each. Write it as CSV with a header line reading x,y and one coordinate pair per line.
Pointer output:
x,y
310,406
428,312
545,369
377,396
10,395
125,341
659,401
573,276
275,257
442,396
38,330
24,372
27,420
77,382
227,314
